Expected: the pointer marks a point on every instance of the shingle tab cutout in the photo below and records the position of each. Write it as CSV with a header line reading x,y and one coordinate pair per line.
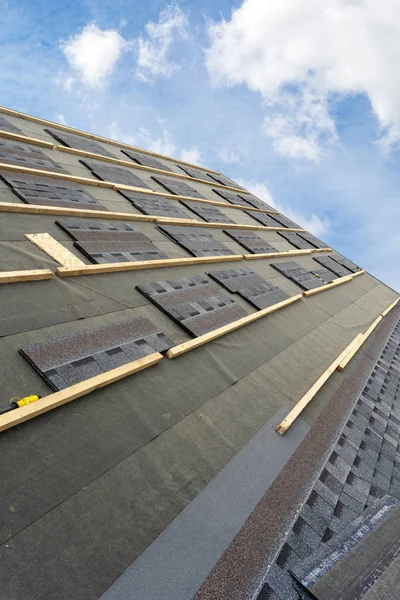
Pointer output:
x,y
264,219
332,265
107,172
232,198
250,241
77,141
195,303
247,200
5,125
68,360
345,262
173,186
197,173
14,153
207,212
104,242
285,222
325,274
156,205
83,230
146,160
312,239
223,180
299,275
196,240
295,240
250,286
50,192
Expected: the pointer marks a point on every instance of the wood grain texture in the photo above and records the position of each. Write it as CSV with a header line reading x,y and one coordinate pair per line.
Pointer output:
x,y
143,264
333,284
119,186
213,335
277,254
306,399
17,137
39,209
25,413
48,244
28,275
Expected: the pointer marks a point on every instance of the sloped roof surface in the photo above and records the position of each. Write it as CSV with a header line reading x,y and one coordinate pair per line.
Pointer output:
x,y
88,486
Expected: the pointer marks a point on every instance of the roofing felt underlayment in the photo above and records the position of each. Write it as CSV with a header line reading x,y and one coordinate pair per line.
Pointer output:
x,y
179,464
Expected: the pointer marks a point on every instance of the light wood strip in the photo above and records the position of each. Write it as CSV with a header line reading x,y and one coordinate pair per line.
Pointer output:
x,y
333,284
366,335
306,399
132,165
284,254
143,264
390,307
25,413
17,137
355,349
39,209
216,333
20,276
169,262
92,136
48,244
119,186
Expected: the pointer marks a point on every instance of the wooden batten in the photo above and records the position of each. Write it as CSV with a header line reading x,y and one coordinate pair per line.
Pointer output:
x,y
72,271
306,399
17,137
99,138
132,165
216,333
47,403
28,275
60,253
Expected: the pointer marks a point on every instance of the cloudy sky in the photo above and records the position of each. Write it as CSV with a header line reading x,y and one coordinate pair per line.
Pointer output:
x,y
299,100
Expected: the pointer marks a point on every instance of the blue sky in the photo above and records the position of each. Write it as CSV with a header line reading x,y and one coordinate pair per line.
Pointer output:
x,y
297,99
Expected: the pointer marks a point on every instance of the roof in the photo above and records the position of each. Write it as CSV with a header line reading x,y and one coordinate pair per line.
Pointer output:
x,y
166,303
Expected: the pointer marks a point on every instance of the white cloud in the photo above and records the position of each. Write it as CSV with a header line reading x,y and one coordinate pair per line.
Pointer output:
x,y
191,155
61,119
304,56
310,221
162,143
153,49
92,54
228,156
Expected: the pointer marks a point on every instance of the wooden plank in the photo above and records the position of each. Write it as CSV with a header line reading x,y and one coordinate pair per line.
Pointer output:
x,y
48,244
143,264
119,186
213,335
17,137
92,136
333,284
62,176
355,349
361,272
39,209
25,413
306,399
132,165
284,254
390,307
328,286
19,276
